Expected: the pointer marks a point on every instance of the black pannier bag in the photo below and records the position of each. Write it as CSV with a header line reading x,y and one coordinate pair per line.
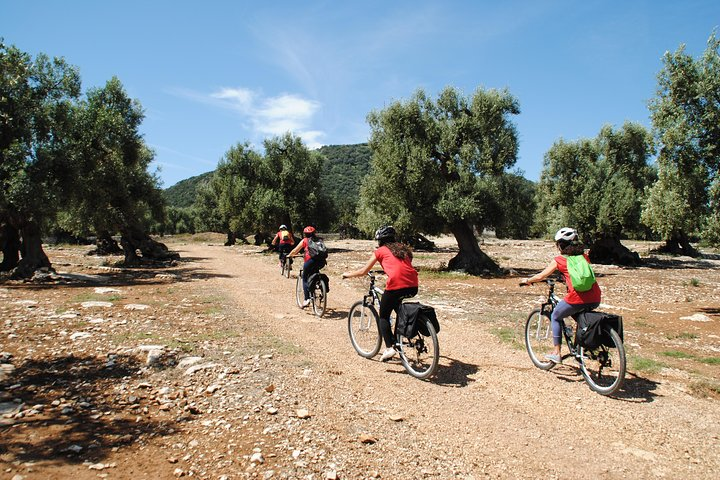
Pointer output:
x,y
593,329
315,277
408,316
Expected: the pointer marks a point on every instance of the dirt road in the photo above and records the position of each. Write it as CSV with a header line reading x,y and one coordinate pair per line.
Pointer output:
x,y
279,393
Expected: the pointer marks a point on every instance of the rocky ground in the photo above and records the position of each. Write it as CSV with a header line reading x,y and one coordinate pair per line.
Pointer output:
x,y
207,369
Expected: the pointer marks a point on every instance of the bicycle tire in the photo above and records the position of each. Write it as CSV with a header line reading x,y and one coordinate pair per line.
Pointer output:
x,y
363,329
538,339
420,354
283,267
299,295
604,368
318,294
288,267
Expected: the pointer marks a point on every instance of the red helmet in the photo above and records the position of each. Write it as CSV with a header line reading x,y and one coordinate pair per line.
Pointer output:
x,y
309,230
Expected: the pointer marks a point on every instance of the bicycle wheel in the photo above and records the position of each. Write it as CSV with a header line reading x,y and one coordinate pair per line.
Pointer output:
x,y
299,295
318,293
538,338
363,329
604,367
288,267
283,267
420,355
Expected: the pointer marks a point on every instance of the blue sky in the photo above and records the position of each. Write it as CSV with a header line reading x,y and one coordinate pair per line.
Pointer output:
x,y
215,73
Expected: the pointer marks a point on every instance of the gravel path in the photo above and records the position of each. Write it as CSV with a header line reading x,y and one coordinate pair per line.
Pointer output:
x,y
278,393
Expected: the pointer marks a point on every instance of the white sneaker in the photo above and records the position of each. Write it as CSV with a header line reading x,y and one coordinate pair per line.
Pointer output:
x,y
306,303
388,354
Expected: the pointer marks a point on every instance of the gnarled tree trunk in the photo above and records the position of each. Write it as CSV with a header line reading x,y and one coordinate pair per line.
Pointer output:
x,y
33,255
231,239
470,258
679,244
106,245
607,250
134,240
10,245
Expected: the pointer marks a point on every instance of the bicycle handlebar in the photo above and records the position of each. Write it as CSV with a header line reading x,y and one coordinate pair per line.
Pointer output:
x,y
550,281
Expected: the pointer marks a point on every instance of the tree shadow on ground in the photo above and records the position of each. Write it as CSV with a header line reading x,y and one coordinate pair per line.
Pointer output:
x,y
145,275
669,263
454,373
73,412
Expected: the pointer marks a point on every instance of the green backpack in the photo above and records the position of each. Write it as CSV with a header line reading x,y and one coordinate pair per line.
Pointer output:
x,y
581,273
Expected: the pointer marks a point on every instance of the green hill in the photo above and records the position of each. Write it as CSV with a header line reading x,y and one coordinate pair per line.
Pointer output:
x,y
345,168
182,194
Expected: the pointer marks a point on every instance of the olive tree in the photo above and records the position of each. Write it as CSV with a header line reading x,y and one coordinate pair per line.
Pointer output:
x,y
113,189
254,193
36,174
686,124
596,185
430,166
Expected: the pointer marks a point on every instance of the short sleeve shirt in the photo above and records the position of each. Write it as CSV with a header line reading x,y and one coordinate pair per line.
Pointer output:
x,y
573,297
401,273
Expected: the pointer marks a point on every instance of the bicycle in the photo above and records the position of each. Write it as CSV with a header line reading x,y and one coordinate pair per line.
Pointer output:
x,y
318,287
285,265
419,355
603,368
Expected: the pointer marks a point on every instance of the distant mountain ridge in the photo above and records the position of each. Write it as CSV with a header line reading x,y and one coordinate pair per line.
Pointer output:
x,y
182,194
345,168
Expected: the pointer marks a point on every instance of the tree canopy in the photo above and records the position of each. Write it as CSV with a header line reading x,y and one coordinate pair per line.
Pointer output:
x,y
254,193
686,124
431,160
77,162
596,185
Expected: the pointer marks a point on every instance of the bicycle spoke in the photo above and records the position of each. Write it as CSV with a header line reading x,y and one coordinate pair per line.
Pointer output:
x,y
363,329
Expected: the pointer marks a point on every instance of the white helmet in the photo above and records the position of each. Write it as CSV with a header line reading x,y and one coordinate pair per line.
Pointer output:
x,y
566,233
283,227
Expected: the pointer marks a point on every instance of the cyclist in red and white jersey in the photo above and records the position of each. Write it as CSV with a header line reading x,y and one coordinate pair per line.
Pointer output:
x,y
396,260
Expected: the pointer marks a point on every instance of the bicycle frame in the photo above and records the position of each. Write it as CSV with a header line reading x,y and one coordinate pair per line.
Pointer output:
x,y
548,306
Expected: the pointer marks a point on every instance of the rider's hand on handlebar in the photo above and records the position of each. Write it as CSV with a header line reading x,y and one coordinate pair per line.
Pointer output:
x,y
524,282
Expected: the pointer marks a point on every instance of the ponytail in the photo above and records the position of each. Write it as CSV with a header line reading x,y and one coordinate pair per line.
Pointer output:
x,y
400,250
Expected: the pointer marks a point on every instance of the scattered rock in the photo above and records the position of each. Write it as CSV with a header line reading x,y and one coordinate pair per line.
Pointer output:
x,y
698,317
197,368
80,335
154,356
103,290
302,413
367,438
189,361
136,306
96,304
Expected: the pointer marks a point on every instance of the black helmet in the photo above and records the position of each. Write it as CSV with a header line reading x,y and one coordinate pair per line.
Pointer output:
x,y
385,233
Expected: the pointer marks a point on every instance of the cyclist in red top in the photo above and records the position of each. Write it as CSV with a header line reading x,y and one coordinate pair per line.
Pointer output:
x,y
284,241
402,282
566,240
311,265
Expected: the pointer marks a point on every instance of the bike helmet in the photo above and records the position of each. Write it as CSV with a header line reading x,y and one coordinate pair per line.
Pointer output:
x,y
309,230
385,233
566,233
283,227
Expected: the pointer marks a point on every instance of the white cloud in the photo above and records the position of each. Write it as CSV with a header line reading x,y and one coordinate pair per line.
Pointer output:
x,y
241,98
268,115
